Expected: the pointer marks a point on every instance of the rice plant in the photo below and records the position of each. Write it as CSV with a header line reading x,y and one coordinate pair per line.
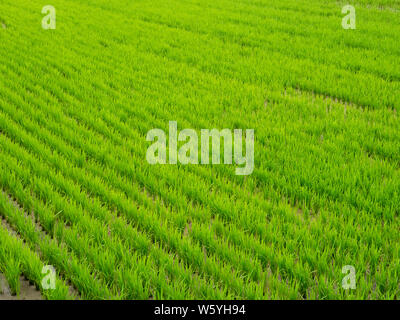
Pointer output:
x,y
78,97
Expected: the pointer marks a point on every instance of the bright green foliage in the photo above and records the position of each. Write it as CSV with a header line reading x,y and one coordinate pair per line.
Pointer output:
x,y
16,258
76,104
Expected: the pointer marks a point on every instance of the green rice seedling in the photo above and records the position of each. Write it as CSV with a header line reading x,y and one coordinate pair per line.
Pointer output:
x,y
12,273
16,259
76,105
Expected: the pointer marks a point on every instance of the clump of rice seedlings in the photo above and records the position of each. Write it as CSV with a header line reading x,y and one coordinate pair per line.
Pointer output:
x,y
78,194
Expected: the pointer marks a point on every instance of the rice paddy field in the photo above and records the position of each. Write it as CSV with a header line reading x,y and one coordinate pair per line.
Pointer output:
x,y
76,191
